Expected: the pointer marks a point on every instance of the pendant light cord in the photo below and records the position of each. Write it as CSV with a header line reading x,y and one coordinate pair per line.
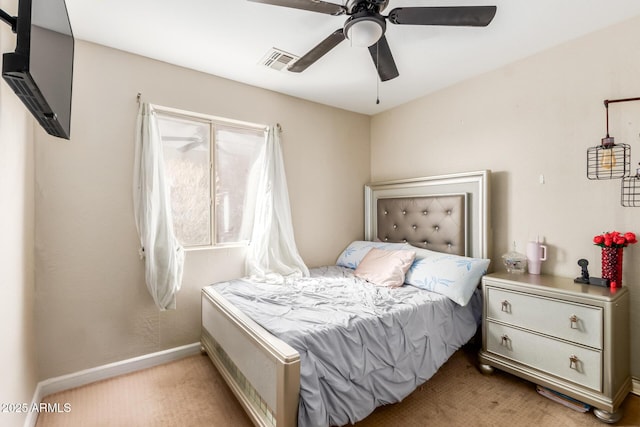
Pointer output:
x,y
606,106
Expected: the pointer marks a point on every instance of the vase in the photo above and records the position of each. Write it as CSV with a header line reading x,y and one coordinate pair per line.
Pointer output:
x,y
612,266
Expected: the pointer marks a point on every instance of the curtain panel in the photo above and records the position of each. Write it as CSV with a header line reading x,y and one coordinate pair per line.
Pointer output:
x,y
163,255
272,255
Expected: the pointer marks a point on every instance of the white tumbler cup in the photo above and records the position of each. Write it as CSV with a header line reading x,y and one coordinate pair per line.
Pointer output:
x,y
536,253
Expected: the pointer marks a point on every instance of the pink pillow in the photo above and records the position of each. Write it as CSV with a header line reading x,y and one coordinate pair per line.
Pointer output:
x,y
385,268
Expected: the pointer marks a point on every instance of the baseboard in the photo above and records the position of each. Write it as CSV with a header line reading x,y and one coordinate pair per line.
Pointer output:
x,y
635,386
87,376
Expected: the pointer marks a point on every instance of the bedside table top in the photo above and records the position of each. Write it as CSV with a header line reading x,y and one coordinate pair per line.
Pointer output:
x,y
563,285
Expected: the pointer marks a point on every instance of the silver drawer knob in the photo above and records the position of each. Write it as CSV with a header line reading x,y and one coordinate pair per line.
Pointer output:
x,y
504,340
505,306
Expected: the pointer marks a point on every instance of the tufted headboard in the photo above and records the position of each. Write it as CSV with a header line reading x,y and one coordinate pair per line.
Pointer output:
x,y
450,213
437,223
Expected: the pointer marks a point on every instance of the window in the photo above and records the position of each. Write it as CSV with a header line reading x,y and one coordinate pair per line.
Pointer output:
x,y
208,162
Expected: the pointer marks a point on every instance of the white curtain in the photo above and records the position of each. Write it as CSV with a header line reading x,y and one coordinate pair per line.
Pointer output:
x,y
163,255
272,255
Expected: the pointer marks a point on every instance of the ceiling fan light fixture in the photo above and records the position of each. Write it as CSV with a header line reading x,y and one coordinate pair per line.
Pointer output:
x,y
364,31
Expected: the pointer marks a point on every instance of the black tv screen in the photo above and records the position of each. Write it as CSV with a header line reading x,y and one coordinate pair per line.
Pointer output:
x,y
40,71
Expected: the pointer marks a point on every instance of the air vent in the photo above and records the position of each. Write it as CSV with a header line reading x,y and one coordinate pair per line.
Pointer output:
x,y
277,59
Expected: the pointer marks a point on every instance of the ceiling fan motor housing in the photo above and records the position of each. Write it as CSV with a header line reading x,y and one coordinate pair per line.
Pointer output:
x,y
354,6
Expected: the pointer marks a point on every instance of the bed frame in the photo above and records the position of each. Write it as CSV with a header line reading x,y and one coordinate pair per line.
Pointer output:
x,y
444,213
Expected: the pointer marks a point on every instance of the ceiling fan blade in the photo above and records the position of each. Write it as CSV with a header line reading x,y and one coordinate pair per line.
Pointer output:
x,y
383,60
317,52
465,16
311,5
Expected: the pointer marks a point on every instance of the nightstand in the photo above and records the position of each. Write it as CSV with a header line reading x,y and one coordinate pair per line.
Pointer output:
x,y
569,337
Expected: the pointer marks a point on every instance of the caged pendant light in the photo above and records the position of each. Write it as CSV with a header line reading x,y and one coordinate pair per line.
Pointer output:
x,y
630,191
609,160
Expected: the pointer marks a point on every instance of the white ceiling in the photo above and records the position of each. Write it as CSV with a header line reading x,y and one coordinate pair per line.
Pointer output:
x,y
228,38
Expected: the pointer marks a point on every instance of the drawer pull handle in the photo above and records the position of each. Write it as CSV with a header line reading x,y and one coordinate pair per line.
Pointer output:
x,y
504,340
574,321
573,362
505,306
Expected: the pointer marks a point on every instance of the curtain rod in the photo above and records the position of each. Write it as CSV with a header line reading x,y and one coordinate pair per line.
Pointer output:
x,y
226,122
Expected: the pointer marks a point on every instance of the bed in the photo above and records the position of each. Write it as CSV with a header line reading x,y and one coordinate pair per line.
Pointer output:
x,y
330,348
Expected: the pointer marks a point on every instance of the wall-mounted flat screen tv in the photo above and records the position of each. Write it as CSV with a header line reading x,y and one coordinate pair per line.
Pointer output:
x,y
40,71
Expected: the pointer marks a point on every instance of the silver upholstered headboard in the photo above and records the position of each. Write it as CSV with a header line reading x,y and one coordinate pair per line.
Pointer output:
x,y
456,219
438,223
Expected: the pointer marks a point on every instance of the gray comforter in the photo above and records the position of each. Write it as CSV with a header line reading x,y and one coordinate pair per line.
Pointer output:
x,y
360,346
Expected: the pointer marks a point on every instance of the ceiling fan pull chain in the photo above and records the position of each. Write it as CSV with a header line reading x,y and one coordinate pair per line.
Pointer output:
x,y
377,72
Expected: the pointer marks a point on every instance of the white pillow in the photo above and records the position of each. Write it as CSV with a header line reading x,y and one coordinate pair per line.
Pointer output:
x,y
453,276
385,268
356,250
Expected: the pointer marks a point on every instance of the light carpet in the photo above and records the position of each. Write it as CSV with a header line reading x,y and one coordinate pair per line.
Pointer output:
x,y
190,392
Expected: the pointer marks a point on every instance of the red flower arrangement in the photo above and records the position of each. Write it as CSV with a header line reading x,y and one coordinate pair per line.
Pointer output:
x,y
615,239
612,245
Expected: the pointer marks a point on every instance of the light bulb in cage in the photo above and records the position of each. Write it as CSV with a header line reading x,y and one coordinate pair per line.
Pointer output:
x,y
607,158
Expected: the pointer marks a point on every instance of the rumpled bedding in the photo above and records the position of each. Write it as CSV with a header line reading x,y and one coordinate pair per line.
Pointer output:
x,y
361,346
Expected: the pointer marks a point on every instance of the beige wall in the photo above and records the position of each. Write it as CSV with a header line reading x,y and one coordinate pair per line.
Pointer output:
x,y
17,330
535,117
92,304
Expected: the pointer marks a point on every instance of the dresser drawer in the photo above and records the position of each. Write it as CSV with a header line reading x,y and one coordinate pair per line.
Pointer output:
x,y
547,354
582,324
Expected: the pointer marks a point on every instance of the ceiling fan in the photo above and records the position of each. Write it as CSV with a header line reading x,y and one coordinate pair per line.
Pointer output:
x,y
365,26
